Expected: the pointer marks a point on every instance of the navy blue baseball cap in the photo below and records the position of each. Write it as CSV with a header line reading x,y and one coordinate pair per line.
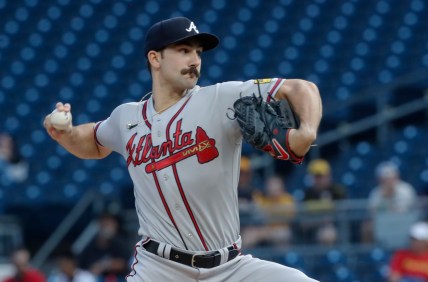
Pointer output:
x,y
174,30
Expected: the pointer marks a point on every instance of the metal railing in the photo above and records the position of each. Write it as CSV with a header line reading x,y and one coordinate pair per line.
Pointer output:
x,y
89,200
347,216
384,115
10,235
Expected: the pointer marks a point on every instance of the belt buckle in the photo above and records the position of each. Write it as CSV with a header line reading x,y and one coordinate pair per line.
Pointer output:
x,y
192,262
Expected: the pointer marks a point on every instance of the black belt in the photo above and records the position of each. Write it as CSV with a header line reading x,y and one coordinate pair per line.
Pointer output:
x,y
209,260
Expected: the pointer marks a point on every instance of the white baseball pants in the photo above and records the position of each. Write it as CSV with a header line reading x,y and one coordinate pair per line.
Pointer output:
x,y
148,267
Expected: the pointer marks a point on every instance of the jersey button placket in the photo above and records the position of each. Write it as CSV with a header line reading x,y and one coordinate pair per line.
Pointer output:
x,y
158,131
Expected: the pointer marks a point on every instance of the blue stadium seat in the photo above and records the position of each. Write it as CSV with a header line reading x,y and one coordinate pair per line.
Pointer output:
x,y
294,260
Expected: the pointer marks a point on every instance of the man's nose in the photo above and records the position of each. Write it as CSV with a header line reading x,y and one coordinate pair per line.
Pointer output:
x,y
195,60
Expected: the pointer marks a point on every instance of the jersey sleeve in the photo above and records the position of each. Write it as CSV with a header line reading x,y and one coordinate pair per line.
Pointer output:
x,y
107,132
233,90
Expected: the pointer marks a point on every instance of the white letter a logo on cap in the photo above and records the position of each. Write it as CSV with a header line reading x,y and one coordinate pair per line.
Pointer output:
x,y
192,26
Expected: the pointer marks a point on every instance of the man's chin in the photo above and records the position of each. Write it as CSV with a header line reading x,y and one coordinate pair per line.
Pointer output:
x,y
191,83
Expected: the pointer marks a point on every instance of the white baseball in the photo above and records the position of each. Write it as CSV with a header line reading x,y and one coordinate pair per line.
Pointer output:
x,y
61,120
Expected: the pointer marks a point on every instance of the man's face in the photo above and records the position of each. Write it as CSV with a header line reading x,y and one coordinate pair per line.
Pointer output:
x,y
108,228
275,187
20,258
180,65
322,181
67,266
418,246
388,182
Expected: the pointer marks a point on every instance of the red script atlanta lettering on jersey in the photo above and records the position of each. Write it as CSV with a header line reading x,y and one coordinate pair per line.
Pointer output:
x,y
182,146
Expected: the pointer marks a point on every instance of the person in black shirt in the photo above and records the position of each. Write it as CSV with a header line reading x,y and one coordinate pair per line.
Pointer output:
x,y
107,255
323,187
320,200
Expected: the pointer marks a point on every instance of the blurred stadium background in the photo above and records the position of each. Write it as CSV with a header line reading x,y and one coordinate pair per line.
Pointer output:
x,y
368,58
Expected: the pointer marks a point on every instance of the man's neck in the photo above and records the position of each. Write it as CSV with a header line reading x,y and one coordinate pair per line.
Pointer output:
x,y
164,97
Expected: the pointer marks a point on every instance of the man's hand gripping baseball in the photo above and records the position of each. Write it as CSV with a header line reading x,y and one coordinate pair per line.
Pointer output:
x,y
78,140
53,132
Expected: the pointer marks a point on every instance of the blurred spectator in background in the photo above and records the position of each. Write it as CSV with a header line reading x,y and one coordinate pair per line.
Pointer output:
x,y
246,190
107,255
323,188
392,193
12,167
278,208
245,185
392,200
319,200
411,264
69,271
23,270
326,235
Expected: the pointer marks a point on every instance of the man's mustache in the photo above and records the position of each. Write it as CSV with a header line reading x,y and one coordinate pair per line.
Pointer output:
x,y
191,70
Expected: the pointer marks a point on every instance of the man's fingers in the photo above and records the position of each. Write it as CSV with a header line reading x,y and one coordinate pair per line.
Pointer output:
x,y
59,106
55,134
63,107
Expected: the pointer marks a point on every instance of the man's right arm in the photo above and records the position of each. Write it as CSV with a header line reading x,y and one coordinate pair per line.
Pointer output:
x,y
78,140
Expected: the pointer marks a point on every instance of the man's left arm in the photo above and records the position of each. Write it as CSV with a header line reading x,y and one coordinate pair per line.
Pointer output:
x,y
305,100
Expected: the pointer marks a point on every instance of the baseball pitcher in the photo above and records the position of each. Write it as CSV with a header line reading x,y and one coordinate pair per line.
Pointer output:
x,y
182,147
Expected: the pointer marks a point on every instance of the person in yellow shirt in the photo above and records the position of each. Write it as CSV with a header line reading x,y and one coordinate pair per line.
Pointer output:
x,y
278,207
276,202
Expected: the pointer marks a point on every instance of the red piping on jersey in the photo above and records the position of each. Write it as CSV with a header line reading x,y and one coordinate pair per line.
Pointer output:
x,y
273,89
174,117
133,271
189,210
165,204
235,246
144,113
180,187
95,133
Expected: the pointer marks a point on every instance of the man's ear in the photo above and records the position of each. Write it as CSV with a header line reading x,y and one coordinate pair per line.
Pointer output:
x,y
153,58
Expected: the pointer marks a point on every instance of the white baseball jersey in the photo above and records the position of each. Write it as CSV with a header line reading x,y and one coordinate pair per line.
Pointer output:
x,y
184,163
